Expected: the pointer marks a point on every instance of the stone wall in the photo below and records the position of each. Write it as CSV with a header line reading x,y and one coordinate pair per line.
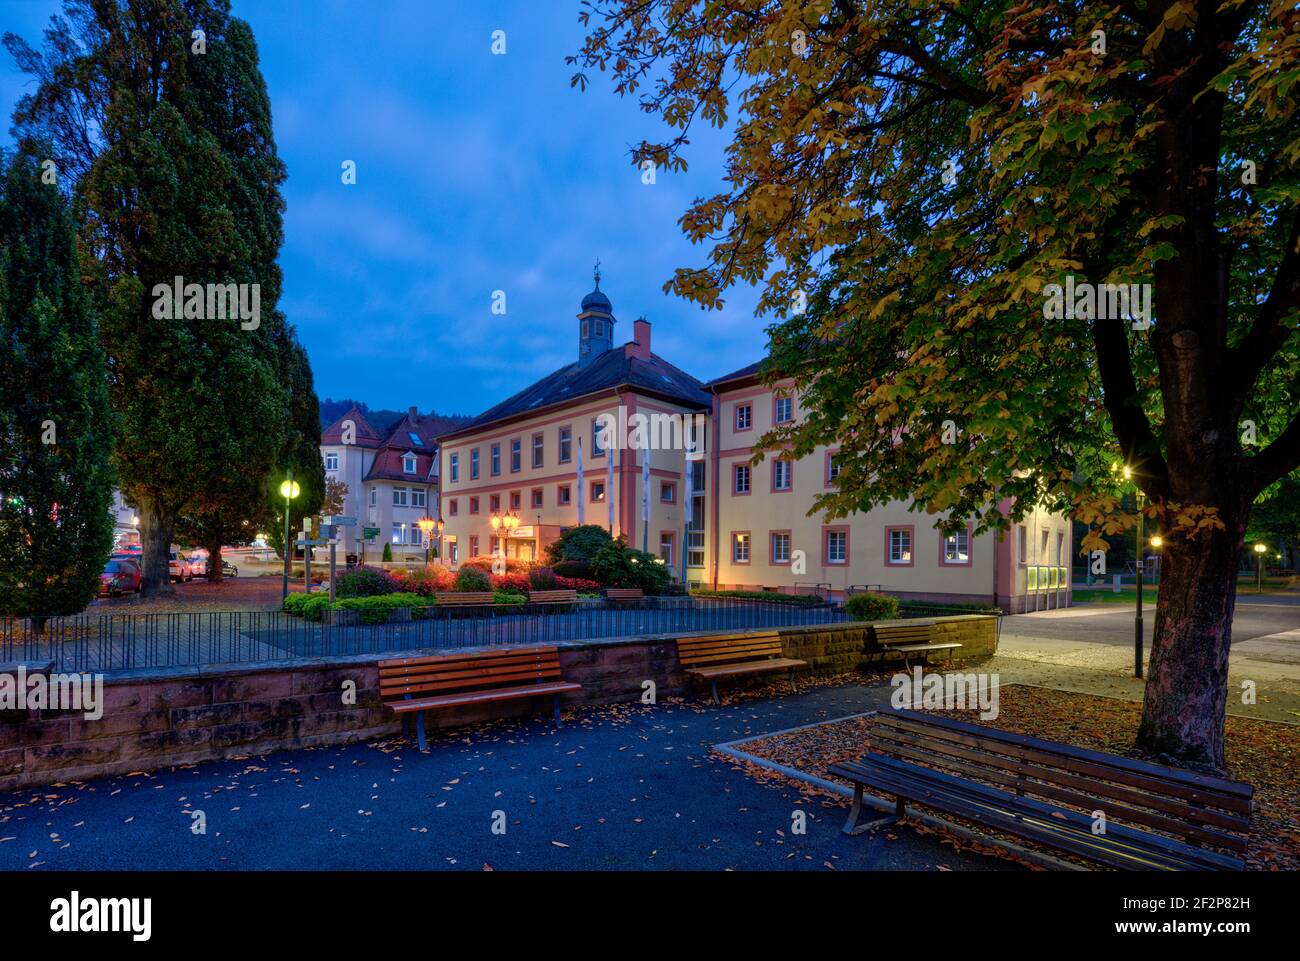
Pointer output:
x,y
155,722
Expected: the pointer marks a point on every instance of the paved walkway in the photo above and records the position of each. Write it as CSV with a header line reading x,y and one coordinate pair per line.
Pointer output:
x,y
631,787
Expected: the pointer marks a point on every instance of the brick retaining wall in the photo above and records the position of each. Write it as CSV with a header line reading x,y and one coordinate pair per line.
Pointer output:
x,y
160,721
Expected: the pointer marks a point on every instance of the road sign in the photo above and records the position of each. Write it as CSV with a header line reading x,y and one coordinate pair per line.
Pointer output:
x,y
339,520
370,533
318,542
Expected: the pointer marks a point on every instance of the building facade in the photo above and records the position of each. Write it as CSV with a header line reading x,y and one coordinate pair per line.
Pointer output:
x,y
747,526
392,481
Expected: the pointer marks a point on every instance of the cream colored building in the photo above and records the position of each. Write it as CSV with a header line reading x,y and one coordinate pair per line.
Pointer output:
x,y
749,526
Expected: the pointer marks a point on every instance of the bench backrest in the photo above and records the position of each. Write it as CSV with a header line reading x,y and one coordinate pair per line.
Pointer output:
x,y
454,673
903,632
550,597
451,599
1198,808
728,648
624,593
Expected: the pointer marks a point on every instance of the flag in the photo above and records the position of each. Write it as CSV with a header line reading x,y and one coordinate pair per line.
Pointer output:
x,y
582,497
645,494
609,484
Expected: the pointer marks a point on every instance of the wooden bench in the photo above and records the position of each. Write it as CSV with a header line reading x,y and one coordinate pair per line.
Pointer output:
x,y
907,638
624,594
734,655
422,684
553,597
464,598
1052,793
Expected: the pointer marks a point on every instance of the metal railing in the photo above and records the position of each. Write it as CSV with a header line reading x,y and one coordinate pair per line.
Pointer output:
x,y
143,643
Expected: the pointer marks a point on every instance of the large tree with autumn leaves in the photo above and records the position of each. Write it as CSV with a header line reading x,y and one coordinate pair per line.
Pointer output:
x,y
908,179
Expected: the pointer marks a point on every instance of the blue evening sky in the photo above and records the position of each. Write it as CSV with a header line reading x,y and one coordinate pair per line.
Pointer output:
x,y
475,173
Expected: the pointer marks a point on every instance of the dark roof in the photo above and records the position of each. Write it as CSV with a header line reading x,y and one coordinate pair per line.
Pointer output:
x,y
752,370
596,300
614,368
366,436
388,466
424,428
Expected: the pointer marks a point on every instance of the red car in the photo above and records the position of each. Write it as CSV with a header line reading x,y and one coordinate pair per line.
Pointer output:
x,y
120,576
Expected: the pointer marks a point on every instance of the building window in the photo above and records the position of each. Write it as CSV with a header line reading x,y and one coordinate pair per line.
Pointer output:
x,y
740,479
898,545
453,552
408,463
494,503
473,464
566,445
1022,544
667,492
596,449
832,467
1060,548
399,497
539,450
956,548
473,545
332,461
538,497
516,450
783,410
453,507
740,547
454,467
516,500
781,475
564,494
399,533
597,491
493,541
473,505
374,497
494,468
666,548
837,546
1042,547
695,531
417,497
744,416
416,533
780,545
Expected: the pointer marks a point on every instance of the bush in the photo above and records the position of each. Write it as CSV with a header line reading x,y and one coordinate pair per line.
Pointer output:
x,y
388,552
316,607
472,580
294,603
580,543
510,583
507,597
374,609
486,563
578,569
425,581
800,600
542,579
579,584
365,582
617,565
872,607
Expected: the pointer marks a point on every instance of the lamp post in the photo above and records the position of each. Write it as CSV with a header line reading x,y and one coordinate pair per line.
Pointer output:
x,y
1259,568
1141,550
288,490
429,526
503,524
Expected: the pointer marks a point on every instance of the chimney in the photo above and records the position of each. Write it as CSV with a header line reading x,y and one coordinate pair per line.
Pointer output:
x,y
640,346
412,411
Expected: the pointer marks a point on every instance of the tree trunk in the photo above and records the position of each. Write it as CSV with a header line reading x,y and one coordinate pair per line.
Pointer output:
x,y
1187,691
155,547
214,562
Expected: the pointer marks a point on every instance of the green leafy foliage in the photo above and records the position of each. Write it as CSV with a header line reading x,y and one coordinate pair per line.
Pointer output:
x,y
365,582
472,580
871,607
618,565
775,597
581,543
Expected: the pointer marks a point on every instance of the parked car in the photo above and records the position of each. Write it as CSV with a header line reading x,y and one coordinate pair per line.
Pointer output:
x,y
119,576
227,569
178,566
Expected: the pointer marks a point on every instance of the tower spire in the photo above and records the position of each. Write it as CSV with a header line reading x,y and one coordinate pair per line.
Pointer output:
x,y
596,272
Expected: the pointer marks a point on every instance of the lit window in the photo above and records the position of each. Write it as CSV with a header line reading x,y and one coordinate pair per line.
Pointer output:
x,y
956,548
740,548
900,546
744,416
597,491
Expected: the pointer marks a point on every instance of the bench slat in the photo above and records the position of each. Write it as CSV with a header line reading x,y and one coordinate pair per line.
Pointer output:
x,y
477,697
746,667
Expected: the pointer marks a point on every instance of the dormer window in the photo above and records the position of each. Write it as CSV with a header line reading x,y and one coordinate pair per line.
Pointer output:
x,y
408,463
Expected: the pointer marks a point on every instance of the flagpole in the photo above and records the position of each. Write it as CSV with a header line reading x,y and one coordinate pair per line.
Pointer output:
x,y
645,495
582,497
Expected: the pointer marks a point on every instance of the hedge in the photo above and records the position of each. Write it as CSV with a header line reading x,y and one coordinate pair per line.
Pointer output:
x,y
802,600
872,607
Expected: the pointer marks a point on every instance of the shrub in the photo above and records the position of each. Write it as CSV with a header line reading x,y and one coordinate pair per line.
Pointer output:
x,y
315,607
425,581
617,565
472,580
510,583
486,563
388,552
542,579
294,603
799,600
365,582
579,569
871,607
507,597
374,609
580,543
579,584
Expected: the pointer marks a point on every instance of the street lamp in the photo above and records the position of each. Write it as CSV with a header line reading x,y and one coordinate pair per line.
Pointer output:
x,y
288,490
1259,568
1137,620
503,524
428,525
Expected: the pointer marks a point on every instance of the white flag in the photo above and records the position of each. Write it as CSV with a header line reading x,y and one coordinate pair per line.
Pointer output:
x,y
645,493
690,494
609,485
582,497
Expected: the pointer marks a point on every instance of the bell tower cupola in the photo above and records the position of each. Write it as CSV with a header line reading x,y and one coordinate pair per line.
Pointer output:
x,y
595,324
